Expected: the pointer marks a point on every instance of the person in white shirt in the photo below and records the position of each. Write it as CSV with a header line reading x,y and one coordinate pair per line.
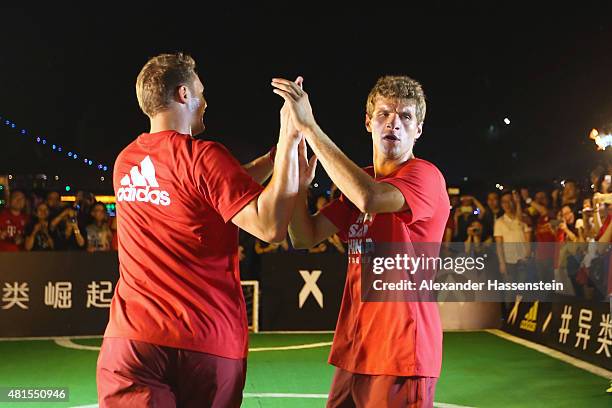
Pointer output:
x,y
512,236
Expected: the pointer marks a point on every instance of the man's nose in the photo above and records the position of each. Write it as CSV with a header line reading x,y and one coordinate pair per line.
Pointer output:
x,y
393,121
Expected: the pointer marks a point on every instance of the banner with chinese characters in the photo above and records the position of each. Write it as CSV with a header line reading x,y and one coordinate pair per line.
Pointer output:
x,y
56,293
580,329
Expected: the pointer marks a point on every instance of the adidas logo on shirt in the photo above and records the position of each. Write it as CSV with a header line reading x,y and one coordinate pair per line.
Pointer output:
x,y
141,185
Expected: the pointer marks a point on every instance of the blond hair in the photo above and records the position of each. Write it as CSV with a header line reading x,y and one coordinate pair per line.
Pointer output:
x,y
398,87
160,77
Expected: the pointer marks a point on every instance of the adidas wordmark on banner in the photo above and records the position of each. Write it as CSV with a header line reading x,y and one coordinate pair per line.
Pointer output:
x,y
141,185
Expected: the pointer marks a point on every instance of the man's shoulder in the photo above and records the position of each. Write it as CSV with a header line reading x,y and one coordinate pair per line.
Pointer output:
x,y
423,165
208,145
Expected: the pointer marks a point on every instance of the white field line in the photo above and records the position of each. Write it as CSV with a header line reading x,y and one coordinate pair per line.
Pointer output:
x,y
591,368
68,343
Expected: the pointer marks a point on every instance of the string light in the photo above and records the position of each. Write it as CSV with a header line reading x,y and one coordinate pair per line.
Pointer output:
x,y
54,147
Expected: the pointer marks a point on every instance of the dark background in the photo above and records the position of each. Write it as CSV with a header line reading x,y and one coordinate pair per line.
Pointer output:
x,y
68,75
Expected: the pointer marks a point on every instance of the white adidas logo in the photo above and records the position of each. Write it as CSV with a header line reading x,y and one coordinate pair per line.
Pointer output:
x,y
139,185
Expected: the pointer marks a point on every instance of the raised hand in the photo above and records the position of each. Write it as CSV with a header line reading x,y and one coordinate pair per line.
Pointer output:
x,y
297,100
288,128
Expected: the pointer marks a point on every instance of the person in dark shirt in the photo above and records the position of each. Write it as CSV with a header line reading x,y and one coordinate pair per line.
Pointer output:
x,y
38,234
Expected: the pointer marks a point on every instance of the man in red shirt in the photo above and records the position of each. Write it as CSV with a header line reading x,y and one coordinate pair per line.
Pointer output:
x,y
177,334
387,354
13,223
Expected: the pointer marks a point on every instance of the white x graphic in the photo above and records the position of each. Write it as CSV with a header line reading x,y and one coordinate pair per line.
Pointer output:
x,y
310,286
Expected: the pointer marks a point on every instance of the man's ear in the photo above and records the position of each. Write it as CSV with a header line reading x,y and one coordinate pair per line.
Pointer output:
x,y
182,94
419,130
368,123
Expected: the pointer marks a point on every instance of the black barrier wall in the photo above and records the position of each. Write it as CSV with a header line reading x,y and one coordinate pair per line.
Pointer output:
x,y
56,293
69,293
301,291
580,329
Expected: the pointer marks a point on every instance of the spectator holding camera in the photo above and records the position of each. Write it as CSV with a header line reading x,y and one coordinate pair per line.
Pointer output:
x,y
38,234
568,230
68,235
476,244
469,210
570,195
99,234
54,203
568,236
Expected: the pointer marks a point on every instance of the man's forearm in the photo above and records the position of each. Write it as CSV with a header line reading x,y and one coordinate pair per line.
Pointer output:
x,y
260,168
276,203
301,228
354,183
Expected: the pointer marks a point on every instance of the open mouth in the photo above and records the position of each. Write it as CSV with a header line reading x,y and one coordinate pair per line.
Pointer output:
x,y
391,138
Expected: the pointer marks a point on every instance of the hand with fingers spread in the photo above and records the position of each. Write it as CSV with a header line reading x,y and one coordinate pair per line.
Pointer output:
x,y
297,100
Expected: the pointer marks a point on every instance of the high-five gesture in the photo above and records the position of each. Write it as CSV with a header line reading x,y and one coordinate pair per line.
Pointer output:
x,y
297,100
288,129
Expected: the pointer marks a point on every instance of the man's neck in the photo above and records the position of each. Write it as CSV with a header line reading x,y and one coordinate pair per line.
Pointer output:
x,y
15,212
384,166
169,120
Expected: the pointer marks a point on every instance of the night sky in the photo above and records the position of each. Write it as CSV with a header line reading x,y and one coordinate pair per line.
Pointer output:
x,y
69,76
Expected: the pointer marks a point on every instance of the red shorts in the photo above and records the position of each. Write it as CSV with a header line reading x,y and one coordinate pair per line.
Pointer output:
x,y
137,374
351,390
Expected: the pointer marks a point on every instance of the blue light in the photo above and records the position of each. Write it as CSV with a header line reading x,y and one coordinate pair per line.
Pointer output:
x,y
90,162
7,122
69,154
53,147
38,140
85,161
75,156
105,168
100,166
13,125
59,149
44,141
23,131
67,188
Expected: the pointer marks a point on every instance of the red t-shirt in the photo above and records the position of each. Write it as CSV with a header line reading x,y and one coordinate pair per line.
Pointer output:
x,y
391,338
545,239
179,282
13,225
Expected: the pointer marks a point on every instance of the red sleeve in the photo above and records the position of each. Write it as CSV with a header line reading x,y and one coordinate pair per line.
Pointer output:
x,y
225,183
420,184
342,214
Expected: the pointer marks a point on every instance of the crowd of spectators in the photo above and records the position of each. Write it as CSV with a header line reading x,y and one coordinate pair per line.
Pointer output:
x,y
35,223
548,229
542,234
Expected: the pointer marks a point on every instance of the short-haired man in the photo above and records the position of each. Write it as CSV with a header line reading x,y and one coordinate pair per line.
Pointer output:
x,y
177,334
387,354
